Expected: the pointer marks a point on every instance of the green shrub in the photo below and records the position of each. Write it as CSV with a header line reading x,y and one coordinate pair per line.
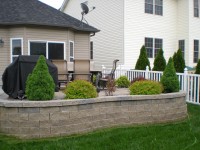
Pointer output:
x,y
198,67
145,87
123,82
40,84
80,89
159,62
169,78
179,62
143,60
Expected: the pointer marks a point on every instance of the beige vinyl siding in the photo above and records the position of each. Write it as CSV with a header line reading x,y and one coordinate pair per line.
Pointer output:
x,y
81,41
46,34
81,46
108,18
5,51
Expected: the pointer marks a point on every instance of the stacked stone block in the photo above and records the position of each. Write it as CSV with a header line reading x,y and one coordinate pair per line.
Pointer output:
x,y
28,119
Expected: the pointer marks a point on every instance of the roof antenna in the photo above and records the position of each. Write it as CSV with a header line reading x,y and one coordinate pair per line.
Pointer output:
x,y
85,11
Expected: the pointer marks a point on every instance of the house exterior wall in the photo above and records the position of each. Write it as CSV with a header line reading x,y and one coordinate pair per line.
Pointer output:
x,y
194,33
81,41
183,26
138,25
128,31
81,46
107,17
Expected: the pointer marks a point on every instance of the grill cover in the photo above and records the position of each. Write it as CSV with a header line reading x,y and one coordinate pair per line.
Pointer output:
x,y
15,75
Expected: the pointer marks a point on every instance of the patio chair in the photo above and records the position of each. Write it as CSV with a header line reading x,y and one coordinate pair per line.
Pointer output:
x,y
103,79
82,70
63,75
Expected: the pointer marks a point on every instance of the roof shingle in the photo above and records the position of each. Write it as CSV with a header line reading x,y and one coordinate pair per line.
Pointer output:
x,y
34,12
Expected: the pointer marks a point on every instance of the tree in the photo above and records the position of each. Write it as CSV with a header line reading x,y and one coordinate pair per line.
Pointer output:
x,y
143,60
159,62
40,84
198,67
169,78
179,62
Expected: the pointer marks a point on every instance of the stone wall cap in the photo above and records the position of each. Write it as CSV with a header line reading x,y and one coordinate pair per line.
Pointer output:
x,y
52,103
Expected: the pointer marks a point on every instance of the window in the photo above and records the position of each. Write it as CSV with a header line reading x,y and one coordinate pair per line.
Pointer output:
x,y
154,7
91,50
16,48
196,51
38,48
51,50
153,46
56,51
149,47
159,7
196,8
158,45
149,6
71,50
182,47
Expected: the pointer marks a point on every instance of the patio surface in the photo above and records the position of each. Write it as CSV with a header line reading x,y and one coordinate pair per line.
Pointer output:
x,y
60,95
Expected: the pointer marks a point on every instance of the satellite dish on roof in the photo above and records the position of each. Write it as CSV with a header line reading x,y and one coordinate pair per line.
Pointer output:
x,y
85,10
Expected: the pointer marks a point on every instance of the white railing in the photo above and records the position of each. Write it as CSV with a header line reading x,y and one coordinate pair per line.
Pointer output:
x,y
188,82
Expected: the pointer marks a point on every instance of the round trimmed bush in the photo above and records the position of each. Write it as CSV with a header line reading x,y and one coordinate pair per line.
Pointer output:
x,y
123,82
80,89
39,84
146,87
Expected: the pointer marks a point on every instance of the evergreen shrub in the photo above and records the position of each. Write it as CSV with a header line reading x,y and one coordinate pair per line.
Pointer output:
x,y
146,87
198,67
40,84
169,78
179,62
159,62
143,60
123,82
80,89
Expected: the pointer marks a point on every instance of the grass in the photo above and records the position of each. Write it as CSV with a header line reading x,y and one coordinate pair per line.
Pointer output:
x,y
183,135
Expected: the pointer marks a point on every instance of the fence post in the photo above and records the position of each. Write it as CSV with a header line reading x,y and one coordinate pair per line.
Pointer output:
x,y
147,72
103,70
185,79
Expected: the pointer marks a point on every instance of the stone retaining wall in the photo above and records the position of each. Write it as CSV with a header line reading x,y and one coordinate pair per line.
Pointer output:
x,y
31,119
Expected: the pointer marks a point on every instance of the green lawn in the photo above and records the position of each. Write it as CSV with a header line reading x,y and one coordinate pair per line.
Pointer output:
x,y
184,135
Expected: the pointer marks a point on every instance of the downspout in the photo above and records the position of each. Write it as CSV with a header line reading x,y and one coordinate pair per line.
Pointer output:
x,y
93,34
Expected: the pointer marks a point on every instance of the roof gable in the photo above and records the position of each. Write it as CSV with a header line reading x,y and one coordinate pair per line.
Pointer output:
x,y
34,12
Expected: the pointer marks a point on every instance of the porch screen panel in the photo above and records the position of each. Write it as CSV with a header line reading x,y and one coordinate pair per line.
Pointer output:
x,y
37,48
56,51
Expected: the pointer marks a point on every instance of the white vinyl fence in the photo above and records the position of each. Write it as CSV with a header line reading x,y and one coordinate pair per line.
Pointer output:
x,y
188,82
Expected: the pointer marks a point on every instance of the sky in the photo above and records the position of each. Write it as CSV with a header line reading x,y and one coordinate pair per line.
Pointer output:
x,y
54,3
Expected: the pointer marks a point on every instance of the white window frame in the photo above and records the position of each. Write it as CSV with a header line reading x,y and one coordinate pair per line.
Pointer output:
x,y
196,51
47,42
180,45
196,8
70,52
153,46
154,7
11,46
